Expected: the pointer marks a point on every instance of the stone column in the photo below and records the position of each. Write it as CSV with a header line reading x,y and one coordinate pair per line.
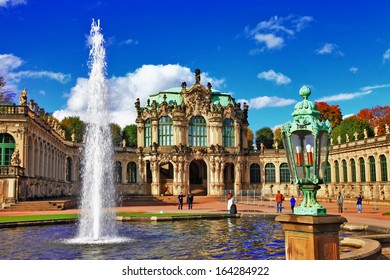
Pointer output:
x,y
155,186
311,237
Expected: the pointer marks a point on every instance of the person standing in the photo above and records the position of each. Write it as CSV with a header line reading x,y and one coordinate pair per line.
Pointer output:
x,y
190,199
340,202
292,203
279,202
359,200
230,201
180,201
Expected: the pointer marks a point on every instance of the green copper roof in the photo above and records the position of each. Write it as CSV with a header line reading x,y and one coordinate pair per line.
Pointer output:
x,y
173,94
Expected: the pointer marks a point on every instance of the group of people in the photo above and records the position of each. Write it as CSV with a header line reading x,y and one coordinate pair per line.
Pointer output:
x,y
340,202
190,200
279,198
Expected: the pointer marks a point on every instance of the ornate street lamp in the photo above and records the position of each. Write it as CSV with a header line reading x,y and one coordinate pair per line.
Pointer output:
x,y
306,142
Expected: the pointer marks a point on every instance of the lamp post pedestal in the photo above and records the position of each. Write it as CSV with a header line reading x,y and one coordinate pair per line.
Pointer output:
x,y
311,237
309,204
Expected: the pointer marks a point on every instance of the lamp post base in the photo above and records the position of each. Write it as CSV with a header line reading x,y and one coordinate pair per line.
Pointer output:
x,y
311,237
309,204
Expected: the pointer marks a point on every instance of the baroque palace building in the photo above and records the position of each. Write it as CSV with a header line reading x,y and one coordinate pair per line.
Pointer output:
x,y
189,139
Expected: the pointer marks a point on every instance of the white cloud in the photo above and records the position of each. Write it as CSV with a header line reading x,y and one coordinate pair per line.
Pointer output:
x,y
369,88
270,40
144,81
60,77
386,55
354,69
273,76
5,3
129,42
267,102
329,48
9,65
343,96
272,34
348,96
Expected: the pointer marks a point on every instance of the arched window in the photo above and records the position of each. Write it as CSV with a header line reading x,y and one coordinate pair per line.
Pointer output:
x,y
255,173
372,169
165,131
197,133
7,148
270,173
383,162
345,171
131,172
284,173
148,133
118,172
228,133
362,166
353,169
68,169
328,173
337,170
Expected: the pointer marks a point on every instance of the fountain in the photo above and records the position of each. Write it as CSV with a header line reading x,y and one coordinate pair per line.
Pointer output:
x,y
97,222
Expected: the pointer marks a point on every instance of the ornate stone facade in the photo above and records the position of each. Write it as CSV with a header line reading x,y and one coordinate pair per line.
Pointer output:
x,y
36,161
188,139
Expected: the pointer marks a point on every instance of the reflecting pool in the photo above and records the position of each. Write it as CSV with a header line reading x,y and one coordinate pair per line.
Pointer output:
x,y
247,238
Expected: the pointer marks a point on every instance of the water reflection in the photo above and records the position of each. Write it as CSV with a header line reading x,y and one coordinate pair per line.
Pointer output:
x,y
244,238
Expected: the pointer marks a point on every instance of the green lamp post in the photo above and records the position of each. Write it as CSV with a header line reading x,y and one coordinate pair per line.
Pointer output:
x,y
306,142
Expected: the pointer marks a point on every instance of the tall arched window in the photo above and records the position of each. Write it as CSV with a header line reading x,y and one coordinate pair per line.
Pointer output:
x,y
68,169
255,173
165,131
328,173
148,133
197,133
118,172
131,172
228,133
372,169
284,173
383,162
270,173
362,166
7,148
345,171
353,169
337,170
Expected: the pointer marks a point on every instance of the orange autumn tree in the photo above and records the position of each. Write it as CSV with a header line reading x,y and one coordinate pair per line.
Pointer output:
x,y
378,116
332,113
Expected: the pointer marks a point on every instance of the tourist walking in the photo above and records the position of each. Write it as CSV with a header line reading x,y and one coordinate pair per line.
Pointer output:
x,y
340,202
180,201
359,200
292,203
279,202
190,199
230,201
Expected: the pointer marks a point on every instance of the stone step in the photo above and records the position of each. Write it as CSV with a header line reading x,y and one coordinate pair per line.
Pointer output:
x,y
36,206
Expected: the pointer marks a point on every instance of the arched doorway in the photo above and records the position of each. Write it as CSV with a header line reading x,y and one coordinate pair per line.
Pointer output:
x,y
198,177
166,178
228,176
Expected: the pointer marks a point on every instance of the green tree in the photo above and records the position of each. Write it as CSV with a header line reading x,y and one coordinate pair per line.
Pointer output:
x,y
6,96
265,136
278,137
116,132
73,125
129,133
350,126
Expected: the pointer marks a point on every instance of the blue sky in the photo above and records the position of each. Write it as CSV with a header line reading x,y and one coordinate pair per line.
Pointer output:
x,y
259,51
